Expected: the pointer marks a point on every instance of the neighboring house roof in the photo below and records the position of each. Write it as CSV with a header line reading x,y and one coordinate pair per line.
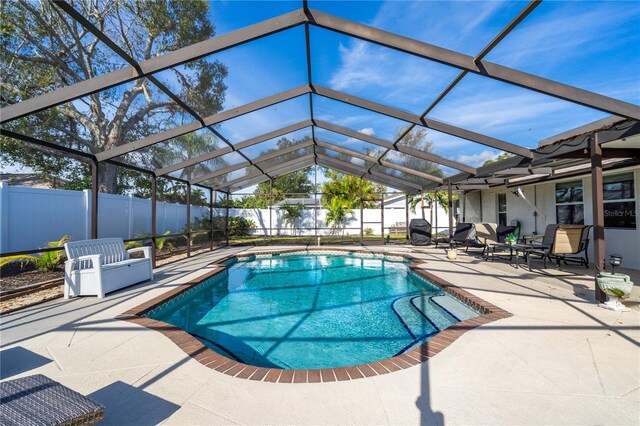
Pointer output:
x,y
31,180
396,201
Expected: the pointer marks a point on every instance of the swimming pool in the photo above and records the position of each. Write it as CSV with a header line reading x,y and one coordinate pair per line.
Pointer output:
x,y
313,310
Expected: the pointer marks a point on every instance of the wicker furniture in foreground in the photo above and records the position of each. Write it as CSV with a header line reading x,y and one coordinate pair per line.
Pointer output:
x,y
38,400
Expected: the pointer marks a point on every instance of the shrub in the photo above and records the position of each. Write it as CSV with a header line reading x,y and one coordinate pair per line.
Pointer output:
x,y
368,231
161,241
240,226
46,262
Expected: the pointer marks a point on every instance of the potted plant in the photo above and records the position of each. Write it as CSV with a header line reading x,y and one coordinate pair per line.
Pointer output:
x,y
616,287
511,239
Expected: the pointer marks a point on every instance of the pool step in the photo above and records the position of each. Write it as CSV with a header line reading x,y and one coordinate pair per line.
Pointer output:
x,y
456,308
426,307
423,315
411,319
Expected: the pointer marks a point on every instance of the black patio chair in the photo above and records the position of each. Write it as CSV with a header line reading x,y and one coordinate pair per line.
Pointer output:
x,y
538,249
464,232
549,235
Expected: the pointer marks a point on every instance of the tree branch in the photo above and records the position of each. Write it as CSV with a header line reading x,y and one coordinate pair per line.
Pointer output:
x,y
141,113
54,59
71,112
123,33
74,136
115,126
15,55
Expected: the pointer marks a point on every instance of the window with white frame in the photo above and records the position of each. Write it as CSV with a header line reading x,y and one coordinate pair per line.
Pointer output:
x,y
619,201
501,200
569,203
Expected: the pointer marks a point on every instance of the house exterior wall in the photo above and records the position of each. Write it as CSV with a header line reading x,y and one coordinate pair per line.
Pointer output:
x,y
625,242
472,212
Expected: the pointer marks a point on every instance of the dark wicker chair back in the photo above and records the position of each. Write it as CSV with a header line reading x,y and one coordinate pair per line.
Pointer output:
x,y
549,234
464,232
503,232
584,240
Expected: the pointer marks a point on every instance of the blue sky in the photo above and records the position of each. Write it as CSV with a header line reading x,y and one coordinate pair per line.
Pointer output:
x,y
592,45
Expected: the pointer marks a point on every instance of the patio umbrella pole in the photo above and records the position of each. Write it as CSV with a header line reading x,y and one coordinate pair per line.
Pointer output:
x,y
464,206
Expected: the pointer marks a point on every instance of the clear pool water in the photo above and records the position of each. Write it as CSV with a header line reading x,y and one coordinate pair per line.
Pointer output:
x,y
313,310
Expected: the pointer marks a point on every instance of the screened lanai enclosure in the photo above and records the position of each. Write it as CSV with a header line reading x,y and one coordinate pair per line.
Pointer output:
x,y
198,133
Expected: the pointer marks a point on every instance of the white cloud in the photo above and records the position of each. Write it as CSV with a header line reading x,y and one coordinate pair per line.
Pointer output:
x,y
388,76
560,35
403,80
362,65
368,131
516,115
475,160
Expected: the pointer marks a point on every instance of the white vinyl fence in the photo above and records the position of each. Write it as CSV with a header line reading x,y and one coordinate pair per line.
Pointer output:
x,y
31,217
394,219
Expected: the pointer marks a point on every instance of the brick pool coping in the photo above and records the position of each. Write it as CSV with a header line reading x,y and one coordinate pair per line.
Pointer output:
x,y
209,358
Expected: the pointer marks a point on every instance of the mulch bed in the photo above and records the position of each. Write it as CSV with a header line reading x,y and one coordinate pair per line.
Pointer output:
x,y
14,277
11,277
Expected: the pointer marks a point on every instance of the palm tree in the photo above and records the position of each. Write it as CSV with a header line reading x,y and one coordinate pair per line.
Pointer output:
x,y
433,198
292,213
338,214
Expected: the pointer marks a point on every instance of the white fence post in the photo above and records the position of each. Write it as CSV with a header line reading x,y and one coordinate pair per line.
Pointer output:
x,y
87,213
4,217
130,232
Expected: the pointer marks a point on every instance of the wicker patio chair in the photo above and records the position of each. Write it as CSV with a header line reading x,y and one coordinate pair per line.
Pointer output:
x,y
38,400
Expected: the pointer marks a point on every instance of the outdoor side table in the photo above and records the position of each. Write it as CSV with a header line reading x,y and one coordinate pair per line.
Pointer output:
x,y
513,250
37,400
533,239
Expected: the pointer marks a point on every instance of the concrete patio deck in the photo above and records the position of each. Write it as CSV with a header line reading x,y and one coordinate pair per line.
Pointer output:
x,y
558,360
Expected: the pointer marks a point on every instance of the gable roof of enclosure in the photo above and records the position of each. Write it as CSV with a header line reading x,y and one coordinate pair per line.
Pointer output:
x,y
228,166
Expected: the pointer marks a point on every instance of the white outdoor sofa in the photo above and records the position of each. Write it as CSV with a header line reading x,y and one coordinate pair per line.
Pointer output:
x,y
97,267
